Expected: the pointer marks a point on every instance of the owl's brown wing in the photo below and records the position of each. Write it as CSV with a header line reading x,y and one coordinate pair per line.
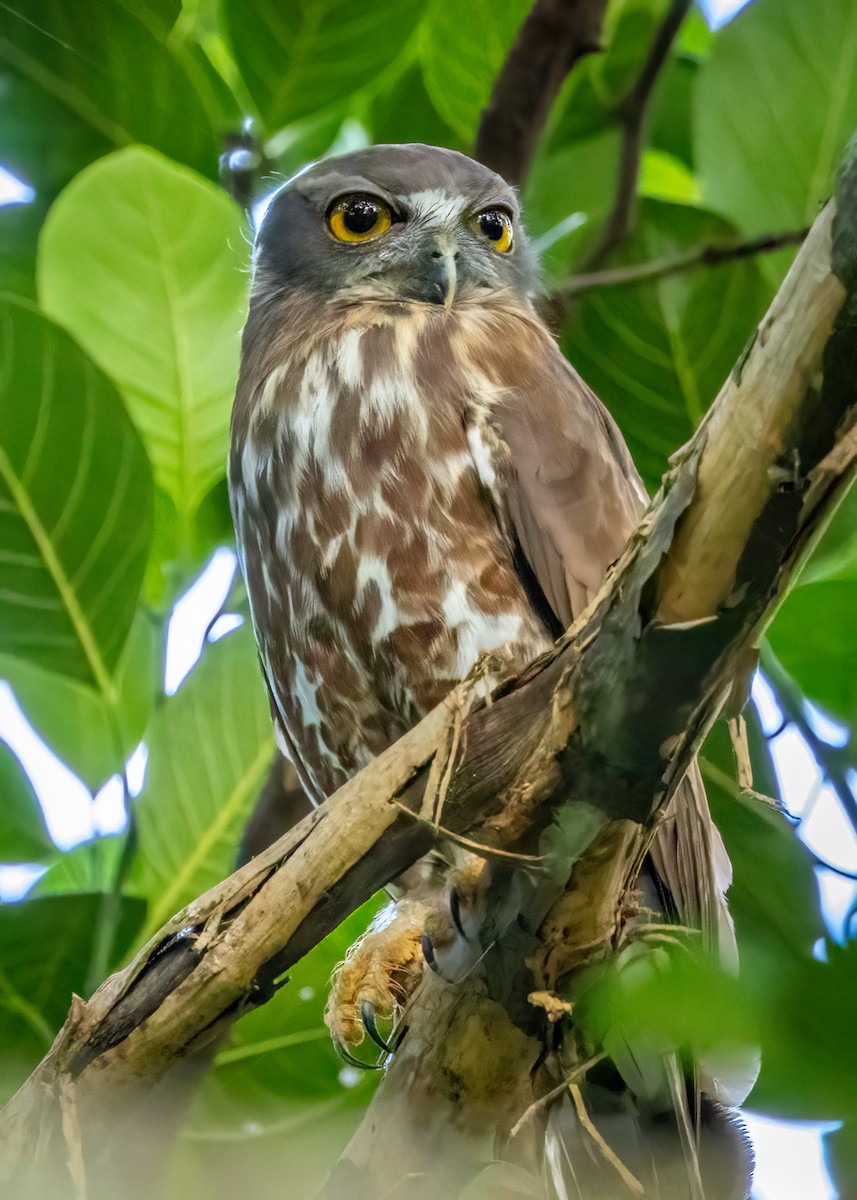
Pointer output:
x,y
567,490
561,474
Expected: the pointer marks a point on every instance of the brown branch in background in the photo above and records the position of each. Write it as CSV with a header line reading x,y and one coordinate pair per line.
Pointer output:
x,y
631,113
659,268
555,35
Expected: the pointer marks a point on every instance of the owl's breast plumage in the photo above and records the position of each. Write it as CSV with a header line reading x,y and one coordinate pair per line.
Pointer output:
x,y
378,566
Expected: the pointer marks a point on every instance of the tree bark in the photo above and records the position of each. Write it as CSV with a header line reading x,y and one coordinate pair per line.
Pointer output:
x,y
599,730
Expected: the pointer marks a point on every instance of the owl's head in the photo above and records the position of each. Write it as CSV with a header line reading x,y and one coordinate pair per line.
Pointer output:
x,y
394,223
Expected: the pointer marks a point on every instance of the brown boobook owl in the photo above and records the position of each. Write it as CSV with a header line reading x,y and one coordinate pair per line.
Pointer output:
x,y
418,476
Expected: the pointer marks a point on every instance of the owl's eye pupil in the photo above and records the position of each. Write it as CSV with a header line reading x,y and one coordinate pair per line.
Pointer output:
x,y
360,216
493,224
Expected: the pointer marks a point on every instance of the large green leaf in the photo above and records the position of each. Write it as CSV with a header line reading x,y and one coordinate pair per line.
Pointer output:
x,y
773,107
75,504
90,867
461,49
765,850
77,87
19,233
45,948
92,733
23,836
813,637
813,632
299,58
658,353
209,751
164,258
280,1058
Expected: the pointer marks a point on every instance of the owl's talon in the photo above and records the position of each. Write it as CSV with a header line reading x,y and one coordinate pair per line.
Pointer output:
x,y
428,952
367,1015
455,912
349,1058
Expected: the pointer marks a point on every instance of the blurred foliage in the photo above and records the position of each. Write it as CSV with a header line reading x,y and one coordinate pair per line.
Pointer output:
x,y
124,286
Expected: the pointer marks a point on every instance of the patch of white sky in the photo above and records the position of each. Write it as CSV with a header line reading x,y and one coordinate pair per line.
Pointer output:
x,y
790,1159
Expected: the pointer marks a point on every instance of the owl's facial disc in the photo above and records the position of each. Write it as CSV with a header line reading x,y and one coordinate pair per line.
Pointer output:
x,y
436,247
395,224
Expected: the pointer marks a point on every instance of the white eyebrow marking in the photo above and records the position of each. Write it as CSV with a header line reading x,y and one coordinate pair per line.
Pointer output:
x,y
437,205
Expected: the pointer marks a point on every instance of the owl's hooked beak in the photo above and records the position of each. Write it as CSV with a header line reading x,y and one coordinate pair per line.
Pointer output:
x,y
442,273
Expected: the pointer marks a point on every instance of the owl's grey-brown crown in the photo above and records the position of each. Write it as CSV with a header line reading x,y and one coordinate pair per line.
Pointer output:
x,y
395,223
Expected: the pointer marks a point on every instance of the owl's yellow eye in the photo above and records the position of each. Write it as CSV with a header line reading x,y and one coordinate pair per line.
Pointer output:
x,y
359,219
496,225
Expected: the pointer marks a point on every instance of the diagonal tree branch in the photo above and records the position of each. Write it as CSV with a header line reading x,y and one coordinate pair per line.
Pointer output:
x,y
603,726
555,35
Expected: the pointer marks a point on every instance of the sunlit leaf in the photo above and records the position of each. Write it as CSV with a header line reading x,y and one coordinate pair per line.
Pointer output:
x,y
23,836
210,746
75,504
164,258
773,107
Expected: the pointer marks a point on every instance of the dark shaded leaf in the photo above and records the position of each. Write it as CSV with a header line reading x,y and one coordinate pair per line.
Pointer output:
x,y
658,353
23,836
102,83
45,947
300,58
75,505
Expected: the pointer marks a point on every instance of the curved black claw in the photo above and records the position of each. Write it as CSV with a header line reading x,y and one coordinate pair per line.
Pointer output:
x,y
348,1057
428,952
455,912
367,1013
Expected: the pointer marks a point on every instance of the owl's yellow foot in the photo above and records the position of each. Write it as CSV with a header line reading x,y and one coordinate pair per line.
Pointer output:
x,y
378,974
382,969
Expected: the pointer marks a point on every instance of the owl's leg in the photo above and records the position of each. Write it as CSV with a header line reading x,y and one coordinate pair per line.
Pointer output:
x,y
438,928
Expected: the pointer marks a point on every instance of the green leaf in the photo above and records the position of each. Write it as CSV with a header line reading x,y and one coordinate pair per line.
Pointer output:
x,y
835,556
23,836
75,505
299,58
280,1059
45,947
81,88
813,637
587,104
567,198
765,849
658,353
19,233
164,258
774,106
90,867
210,747
462,49
91,733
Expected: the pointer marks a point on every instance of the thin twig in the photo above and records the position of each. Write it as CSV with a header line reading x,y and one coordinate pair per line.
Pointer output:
x,y
659,268
631,113
555,35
